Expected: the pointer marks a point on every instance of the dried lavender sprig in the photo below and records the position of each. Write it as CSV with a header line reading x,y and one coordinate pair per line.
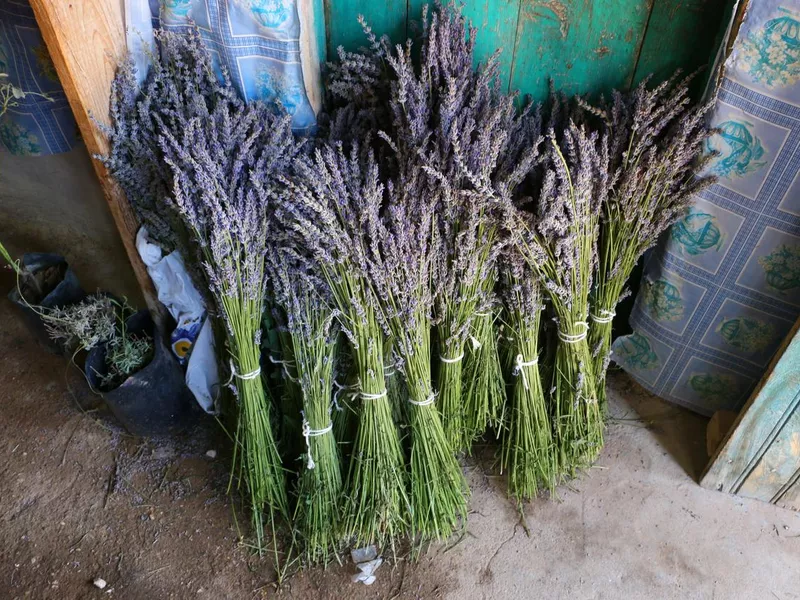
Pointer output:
x,y
656,140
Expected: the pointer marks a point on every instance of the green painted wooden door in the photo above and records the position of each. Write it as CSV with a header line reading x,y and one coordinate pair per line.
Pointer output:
x,y
584,46
760,457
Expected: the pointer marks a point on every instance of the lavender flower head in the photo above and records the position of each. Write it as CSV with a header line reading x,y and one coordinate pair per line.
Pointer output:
x,y
182,84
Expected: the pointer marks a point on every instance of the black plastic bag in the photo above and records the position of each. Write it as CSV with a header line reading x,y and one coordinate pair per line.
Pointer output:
x,y
154,401
59,288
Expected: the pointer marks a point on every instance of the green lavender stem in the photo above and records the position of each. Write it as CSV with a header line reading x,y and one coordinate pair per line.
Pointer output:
x,y
320,488
451,402
377,508
529,453
483,379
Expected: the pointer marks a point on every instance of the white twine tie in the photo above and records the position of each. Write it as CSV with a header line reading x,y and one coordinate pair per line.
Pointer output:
x,y
604,316
519,368
568,338
342,388
308,433
243,376
475,343
450,361
427,402
365,396
283,363
483,314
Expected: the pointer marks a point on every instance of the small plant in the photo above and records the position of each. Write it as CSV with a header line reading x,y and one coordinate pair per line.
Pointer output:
x,y
10,95
25,279
102,320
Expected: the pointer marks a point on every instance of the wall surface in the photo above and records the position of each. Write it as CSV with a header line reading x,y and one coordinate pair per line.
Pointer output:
x,y
585,46
54,204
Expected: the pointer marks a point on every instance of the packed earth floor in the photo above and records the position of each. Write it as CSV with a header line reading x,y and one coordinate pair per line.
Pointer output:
x,y
80,499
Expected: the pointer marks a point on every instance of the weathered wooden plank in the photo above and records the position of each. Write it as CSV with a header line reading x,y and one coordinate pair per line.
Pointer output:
x,y
769,416
496,21
341,22
86,41
681,33
778,464
790,498
585,47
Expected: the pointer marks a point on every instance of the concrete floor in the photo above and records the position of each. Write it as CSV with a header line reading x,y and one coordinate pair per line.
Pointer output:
x,y
79,500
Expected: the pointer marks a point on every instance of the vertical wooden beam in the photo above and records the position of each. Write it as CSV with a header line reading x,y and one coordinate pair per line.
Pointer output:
x,y
86,40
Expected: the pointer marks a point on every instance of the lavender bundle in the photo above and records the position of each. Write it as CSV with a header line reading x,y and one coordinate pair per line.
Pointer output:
x,y
308,324
206,163
402,275
181,84
528,449
459,126
559,244
655,140
333,205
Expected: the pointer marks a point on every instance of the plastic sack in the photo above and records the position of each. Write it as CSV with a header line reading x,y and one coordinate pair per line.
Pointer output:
x,y
192,341
154,401
66,292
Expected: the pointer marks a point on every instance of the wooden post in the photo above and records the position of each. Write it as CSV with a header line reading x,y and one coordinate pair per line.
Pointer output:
x,y
86,41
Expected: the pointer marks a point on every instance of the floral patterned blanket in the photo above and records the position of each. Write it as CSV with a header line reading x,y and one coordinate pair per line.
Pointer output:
x,y
723,289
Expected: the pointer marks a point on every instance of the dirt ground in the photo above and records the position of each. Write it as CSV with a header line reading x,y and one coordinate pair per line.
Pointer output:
x,y
80,499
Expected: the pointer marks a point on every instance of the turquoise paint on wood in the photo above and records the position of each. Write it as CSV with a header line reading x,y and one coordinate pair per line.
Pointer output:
x,y
760,457
681,34
320,30
385,17
496,22
584,46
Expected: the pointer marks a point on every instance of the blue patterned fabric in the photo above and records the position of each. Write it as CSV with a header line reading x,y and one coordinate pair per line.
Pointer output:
x,y
257,40
36,126
722,290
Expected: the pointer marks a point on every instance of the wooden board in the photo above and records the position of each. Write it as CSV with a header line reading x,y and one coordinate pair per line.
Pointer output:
x,y
496,21
342,27
760,457
86,41
584,46
681,33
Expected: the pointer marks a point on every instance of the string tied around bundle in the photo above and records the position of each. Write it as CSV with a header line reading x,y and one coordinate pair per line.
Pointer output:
x,y
519,368
353,388
450,361
243,376
284,364
603,316
378,396
427,402
308,433
574,338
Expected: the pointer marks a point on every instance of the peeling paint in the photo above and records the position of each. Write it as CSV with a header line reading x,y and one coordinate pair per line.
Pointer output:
x,y
602,51
531,11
